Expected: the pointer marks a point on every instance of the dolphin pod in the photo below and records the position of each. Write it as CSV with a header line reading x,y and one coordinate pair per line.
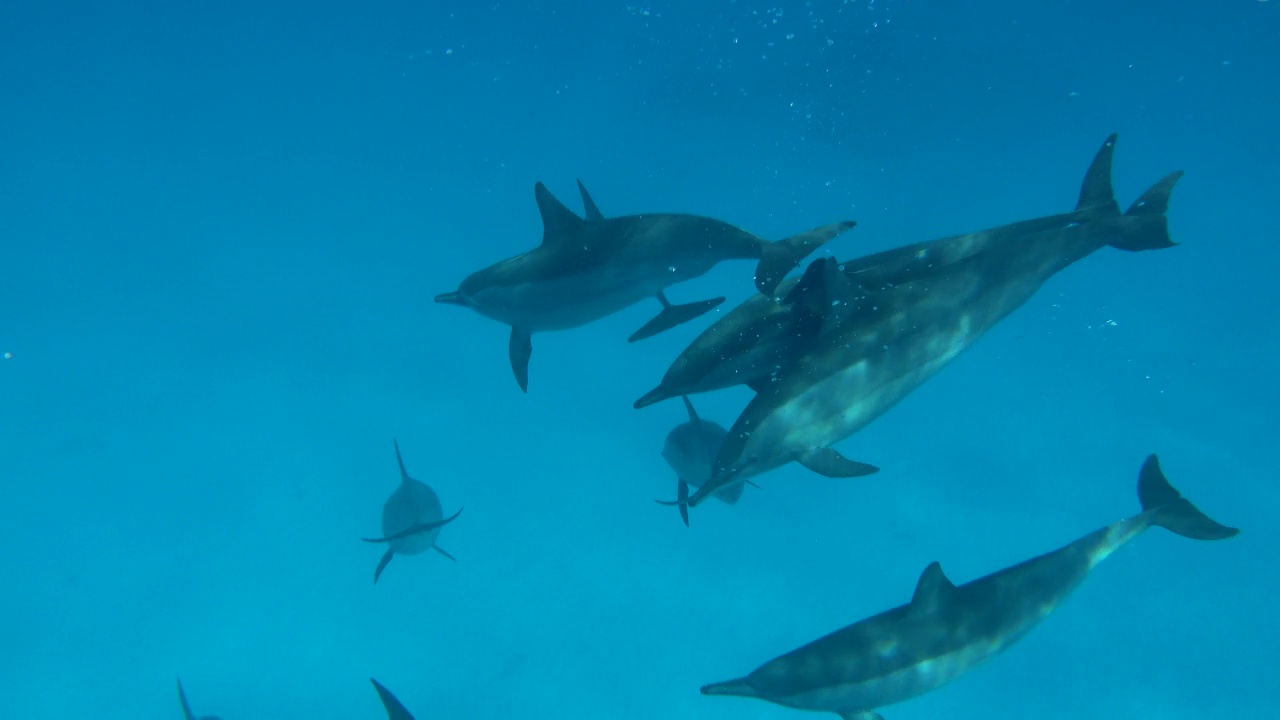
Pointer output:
x,y
946,630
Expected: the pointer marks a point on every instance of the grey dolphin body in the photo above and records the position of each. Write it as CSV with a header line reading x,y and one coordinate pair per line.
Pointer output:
x,y
411,520
586,269
883,343
946,630
690,449
395,709
754,342
186,706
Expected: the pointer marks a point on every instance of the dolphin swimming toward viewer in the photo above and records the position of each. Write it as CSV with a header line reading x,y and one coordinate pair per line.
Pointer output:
x,y
186,706
876,346
411,519
690,449
947,630
587,269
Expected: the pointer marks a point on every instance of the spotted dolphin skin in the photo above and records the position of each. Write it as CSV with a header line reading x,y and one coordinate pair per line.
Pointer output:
x,y
751,344
883,336
947,630
587,269
186,706
411,520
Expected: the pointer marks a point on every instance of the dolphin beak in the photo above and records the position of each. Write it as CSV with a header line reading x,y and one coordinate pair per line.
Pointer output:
x,y
452,298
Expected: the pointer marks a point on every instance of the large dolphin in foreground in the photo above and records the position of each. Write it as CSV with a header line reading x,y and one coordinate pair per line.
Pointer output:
x,y
411,520
587,269
690,449
751,344
883,339
186,706
946,630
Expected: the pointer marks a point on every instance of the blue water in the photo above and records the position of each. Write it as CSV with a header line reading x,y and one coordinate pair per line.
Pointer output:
x,y
222,226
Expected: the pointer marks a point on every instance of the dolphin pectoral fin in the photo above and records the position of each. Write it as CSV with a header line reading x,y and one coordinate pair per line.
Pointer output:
x,y
1173,512
589,205
780,257
681,501
673,315
186,706
441,550
395,709
382,564
415,529
520,349
933,591
829,463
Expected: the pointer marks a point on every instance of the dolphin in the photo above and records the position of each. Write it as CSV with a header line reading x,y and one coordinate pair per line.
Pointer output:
x,y
395,710
587,269
411,519
186,706
947,630
882,344
753,342
690,449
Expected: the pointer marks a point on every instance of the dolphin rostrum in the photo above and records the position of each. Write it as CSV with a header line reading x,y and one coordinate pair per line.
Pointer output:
x,y
395,709
880,337
753,342
586,269
186,706
690,449
947,630
411,519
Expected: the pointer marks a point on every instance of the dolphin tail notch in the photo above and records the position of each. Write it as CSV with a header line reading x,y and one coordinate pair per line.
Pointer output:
x,y
1144,225
780,257
673,315
1173,512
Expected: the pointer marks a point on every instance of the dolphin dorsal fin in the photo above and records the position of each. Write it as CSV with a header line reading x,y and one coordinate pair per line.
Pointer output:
x,y
395,709
559,224
1095,191
933,590
404,474
589,205
688,405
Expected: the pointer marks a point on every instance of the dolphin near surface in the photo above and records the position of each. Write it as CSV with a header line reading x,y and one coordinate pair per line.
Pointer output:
x,y
874,338
946,630
186,706
752,343
587,269
690,449
411,519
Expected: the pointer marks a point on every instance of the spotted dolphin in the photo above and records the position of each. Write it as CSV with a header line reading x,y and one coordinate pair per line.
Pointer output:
x,y
411,519
587,269
888,341
690,449
946,630
186,706
751,344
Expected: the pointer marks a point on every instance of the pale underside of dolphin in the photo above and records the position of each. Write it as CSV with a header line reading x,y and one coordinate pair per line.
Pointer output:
x,y
867,349
754,342
947,630
587,269
411,520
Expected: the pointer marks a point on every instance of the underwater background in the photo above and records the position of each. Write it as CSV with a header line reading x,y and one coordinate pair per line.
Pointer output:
x,y
222,226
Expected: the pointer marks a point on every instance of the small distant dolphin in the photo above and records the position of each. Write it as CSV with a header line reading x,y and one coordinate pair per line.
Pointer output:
x,y
395,710
411,519
877,346
751,344
186,706
947,630
690,450
588,269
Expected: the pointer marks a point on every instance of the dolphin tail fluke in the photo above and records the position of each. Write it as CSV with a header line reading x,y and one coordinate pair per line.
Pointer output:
x,y
739,688
520,349
681,501
673,315
395,709
1144,225
588,205
1173,512
784,255
1097,197
382,564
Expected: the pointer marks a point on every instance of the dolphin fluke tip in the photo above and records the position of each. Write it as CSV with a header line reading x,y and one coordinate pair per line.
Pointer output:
x,y
1173,512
